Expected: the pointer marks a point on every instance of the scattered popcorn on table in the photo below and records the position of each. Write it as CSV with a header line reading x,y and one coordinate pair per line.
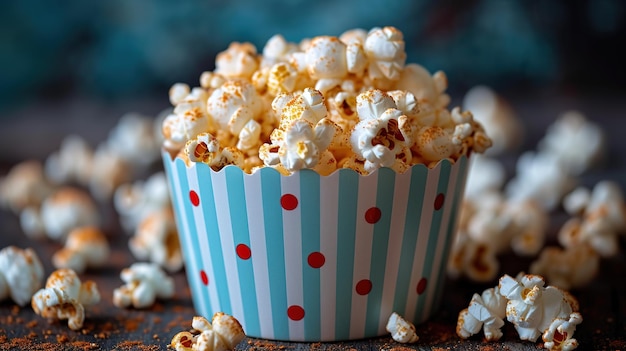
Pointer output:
x,y
401,330
567,268
485,174
24,186
531,307
66,209
133,138
487,312
469,258
135,201
110,169
145,282
559,335
156,240
65,297
498,118
576,143
71,163
21,274
327,103
85,247
223,333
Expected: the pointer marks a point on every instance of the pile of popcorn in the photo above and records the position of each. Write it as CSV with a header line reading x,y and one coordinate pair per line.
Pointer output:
x,y
323,104
534,309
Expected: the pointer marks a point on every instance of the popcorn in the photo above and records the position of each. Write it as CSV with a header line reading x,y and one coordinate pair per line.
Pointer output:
x,y
529,226
71,163
222,334
156,240
65,297
498,118
531,307
109,171
133,139
133,202
475,260
25,185
485,175
84,247
68,208
559,335
384,114
575,142
145,282
401,330
486,311
568,268
21,274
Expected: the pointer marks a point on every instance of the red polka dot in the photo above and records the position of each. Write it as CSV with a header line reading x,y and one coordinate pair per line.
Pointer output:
x,y
363,287
439,201
289,202
193,196
316,259
421,286
204,277
372,215
243,251
295,312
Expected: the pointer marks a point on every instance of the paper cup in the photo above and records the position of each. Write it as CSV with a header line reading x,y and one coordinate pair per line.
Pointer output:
x,y
316,258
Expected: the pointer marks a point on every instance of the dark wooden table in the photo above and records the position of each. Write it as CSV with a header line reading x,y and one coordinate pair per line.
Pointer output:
x,y
603,302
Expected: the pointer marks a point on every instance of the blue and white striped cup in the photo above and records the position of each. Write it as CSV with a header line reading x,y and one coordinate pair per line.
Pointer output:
x,y
316,258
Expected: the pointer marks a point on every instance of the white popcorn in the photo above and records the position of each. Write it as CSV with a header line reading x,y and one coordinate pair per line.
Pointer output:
x,y
178,92
134,201
25,185
401,330
541,178
21,274
531,307
576,201
435,143
72,162
65,297
429,90
353,35
308,106
156,240
134,140
68,208
572,267
187,121
475,260
277,49
85,247
559,335
574,142
487,312
145,282
497,117
222,334
489,224
109,171
32,224
211,80
233,105
238,61
384,48
205,148
529,226
282,78
303,145
326,62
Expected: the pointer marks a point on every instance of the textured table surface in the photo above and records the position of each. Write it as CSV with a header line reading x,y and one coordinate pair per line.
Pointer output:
x,y
603,302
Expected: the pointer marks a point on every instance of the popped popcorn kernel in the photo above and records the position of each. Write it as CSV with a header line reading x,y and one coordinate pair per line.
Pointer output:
x,y
223,333
401,330
145,282
21,274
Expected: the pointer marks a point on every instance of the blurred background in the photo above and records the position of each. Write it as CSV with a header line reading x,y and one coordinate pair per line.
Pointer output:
x,y
79,59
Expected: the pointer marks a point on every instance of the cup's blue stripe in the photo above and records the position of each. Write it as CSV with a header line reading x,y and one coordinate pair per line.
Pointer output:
x,y
194,282
273,220
459,189
380,242
409,240
214,239
310,209
433,236
241,235
346,228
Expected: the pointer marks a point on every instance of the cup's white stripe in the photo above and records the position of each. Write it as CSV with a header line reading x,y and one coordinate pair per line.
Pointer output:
x,y
362,251
329,187
430,191
396,231
292,238
254,209
222,208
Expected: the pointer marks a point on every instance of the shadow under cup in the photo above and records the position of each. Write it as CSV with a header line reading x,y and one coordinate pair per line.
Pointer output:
x,y
316,258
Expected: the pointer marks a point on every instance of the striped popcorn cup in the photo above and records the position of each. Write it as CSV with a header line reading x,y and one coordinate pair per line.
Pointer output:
x,y
316,258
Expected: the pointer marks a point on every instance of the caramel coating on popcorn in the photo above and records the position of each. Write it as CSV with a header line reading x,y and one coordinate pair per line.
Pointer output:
x,y
264,109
